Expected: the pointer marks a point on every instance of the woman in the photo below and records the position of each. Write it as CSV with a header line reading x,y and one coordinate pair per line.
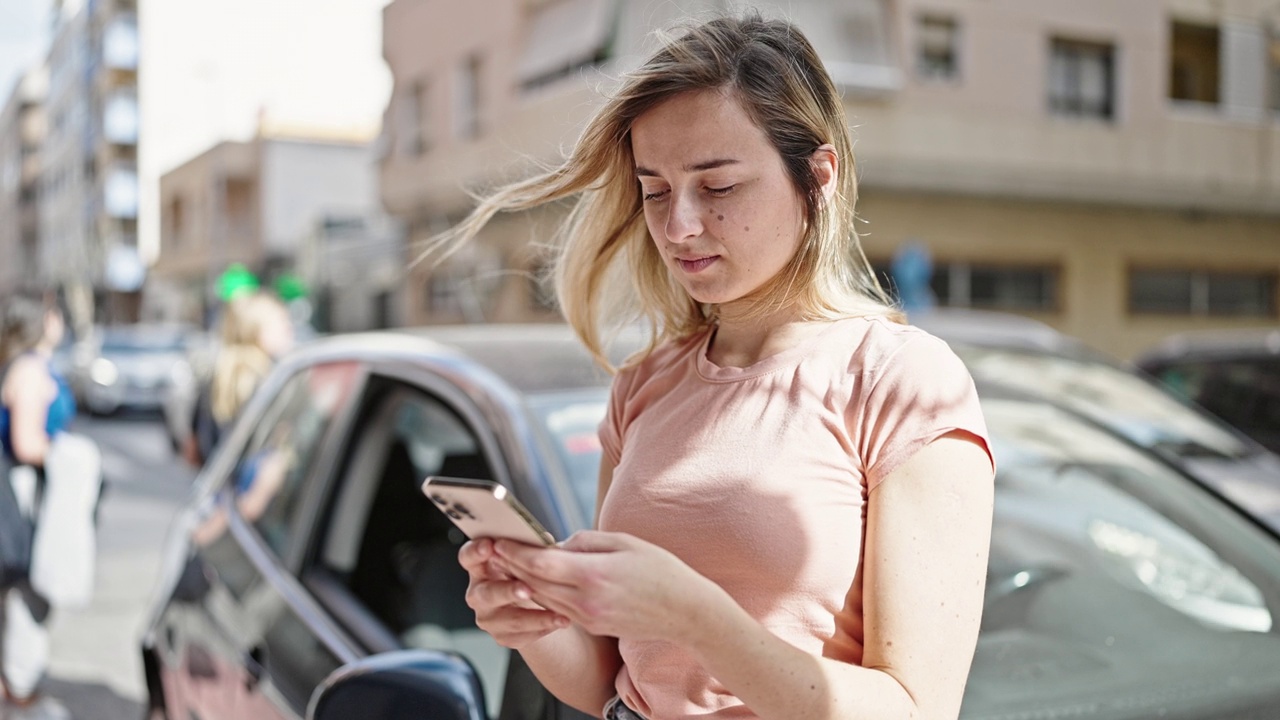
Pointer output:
x,y
256,331
36,406
796,491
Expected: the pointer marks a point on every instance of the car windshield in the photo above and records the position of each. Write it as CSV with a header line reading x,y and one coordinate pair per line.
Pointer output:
x,y
1123,401
570,421
1116,585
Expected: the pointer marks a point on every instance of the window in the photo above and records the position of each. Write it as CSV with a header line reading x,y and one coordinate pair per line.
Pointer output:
x,y
996,287
411,135
390,548
937,48
285,444
1243,391
1273,72
1082,79
175,223
468,98
1194,63
1192,292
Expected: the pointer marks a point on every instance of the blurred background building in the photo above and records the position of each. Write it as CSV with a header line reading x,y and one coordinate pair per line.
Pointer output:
x,y
22,128
1111,168
88,198
277,205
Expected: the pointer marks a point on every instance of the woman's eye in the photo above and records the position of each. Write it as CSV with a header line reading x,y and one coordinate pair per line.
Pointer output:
x,y
656,195
720,192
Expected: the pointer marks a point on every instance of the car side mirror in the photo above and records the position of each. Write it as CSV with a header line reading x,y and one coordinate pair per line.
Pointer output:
x,y
401,685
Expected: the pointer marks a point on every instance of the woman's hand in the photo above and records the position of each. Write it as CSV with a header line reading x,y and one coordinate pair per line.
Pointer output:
x,y
614,585
503,605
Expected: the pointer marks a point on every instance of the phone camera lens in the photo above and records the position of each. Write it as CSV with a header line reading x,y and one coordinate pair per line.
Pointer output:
x,y
439,500
462,509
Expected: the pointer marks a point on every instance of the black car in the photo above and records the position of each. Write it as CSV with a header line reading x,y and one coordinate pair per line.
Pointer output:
x,y
1234,374
312,577
1032,357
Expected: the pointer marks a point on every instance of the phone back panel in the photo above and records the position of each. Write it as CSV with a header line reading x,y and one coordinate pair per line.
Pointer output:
x,y
486,511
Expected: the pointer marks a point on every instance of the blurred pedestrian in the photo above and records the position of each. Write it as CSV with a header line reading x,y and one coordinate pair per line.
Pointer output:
x,y
36,408
256,330
796,492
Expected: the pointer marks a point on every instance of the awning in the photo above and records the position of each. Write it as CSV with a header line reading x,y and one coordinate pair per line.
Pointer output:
x,y
563,35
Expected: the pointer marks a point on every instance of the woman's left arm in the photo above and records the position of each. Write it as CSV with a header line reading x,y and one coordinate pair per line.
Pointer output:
x,y
925,559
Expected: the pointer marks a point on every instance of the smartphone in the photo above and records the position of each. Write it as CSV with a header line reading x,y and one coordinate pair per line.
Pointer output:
x,y
485,509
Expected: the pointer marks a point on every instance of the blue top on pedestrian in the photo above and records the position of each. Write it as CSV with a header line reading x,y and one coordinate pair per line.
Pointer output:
x,y
61,411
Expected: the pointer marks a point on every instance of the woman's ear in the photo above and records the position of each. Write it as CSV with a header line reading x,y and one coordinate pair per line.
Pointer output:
x,y
826,167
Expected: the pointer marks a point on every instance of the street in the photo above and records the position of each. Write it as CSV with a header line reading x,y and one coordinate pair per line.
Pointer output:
x,y
95,668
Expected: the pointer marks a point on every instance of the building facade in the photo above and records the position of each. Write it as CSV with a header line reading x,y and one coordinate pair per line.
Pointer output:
x,y
88,199
274,205
22,128
1109,168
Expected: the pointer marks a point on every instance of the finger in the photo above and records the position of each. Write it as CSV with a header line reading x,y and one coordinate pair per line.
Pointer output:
x,y
527,562
486,595
513,625
475,554
596,541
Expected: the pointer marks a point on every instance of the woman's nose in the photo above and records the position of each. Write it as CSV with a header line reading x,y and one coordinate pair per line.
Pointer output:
x,y
684,219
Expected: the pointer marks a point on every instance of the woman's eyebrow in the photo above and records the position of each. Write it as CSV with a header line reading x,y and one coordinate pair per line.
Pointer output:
x,y
697,167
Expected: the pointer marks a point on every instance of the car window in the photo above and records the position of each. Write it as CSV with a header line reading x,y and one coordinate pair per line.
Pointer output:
x,y
1245,393
1123,401
283,448
1115,583
390,547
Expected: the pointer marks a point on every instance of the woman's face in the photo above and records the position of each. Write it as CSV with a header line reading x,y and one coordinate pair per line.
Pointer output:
x,y
718,202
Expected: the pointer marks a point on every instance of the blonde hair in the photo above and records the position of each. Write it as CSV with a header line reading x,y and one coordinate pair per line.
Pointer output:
x,y
242,363
608,272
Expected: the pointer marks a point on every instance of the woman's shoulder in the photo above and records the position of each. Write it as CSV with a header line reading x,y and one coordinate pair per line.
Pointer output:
x,y
870,342
667,354
27,371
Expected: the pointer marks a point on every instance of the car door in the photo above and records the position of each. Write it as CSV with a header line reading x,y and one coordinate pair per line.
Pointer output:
x,y
244,638
384,559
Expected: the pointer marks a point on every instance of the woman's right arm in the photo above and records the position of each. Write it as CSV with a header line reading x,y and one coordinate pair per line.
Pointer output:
x,y
28,392
577,667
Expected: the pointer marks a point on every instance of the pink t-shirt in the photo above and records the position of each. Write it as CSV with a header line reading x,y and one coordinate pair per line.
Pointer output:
x,y
758,478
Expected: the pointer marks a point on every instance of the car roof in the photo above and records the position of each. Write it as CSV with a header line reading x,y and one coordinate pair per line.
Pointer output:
x,y
1214,345
996,329
531,358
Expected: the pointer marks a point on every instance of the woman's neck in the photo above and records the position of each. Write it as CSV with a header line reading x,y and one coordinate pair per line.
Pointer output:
x,y
744,341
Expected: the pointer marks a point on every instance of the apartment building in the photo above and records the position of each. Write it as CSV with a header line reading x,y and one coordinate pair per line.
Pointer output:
x,y
21,133
1109,168
273,204
88,197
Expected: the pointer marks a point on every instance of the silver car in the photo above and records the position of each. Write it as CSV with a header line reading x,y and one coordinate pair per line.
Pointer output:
x,y
130,366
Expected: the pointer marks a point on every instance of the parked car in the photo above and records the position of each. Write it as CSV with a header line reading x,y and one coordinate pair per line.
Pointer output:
x,y
1035,358
128,366
1234,374
311,577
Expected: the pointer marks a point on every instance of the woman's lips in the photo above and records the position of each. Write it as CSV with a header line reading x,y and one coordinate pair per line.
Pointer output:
x,y
697,265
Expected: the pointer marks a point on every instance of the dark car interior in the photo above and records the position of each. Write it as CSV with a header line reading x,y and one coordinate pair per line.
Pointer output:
x,y
396,554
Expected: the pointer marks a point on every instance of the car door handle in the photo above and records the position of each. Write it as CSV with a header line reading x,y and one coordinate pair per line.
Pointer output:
x,y
253,667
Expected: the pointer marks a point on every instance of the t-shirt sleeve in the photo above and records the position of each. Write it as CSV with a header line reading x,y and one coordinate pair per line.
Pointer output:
x,y
918,394
614,422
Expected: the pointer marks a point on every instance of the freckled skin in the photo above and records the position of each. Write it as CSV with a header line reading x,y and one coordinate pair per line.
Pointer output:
x,y
685,207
